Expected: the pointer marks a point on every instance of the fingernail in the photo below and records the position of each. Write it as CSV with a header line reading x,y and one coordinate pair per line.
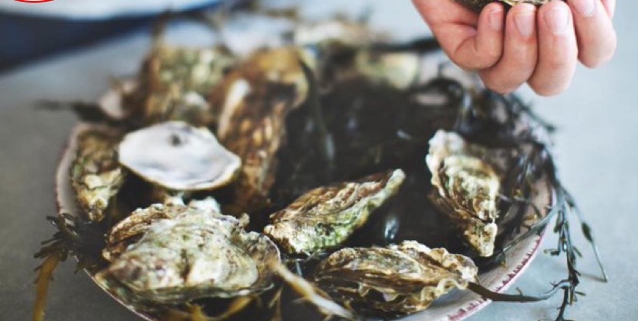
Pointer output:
x,y
585,8
525,23
557,19
495,20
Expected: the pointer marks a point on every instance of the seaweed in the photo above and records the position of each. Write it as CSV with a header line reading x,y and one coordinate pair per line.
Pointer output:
x,y
82,239
535,162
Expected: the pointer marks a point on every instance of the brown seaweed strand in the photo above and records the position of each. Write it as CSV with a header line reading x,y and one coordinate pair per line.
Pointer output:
x,y
45,276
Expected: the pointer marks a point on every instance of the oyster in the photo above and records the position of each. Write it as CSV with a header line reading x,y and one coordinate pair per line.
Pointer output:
x,y
178,156
466,189
174,83
395,280
201,254
326,216
96,175
477,5
335,33
398,69
255,100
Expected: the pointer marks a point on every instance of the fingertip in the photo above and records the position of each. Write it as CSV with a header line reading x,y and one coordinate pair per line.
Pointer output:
x,y
603,58
557,18
495,85
494,16
610,7
522,18
542,88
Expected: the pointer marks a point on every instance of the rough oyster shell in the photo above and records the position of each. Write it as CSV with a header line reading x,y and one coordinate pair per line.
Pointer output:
x,y
178,156
96,175
201,254
477,5
335,33
398,69
174,83
255,100
326,216
395,280
466,189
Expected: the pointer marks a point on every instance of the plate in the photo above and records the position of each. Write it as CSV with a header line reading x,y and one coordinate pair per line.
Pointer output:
x,y
454,307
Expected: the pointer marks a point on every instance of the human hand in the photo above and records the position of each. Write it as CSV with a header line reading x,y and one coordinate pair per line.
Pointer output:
x,y
538,46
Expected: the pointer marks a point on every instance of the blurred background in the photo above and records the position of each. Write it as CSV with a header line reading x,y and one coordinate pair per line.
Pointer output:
x,y
69,49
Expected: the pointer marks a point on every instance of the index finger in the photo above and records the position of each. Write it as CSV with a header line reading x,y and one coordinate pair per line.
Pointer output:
x,y
473,42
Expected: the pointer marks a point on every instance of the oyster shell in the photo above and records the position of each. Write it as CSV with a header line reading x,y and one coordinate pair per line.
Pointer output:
x,y
178,156
466,189
398,69
395,280
96,175
255,100
477,5
326,216
174,83
201,254
335,33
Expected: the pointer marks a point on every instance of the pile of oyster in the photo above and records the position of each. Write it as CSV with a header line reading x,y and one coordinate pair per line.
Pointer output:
x,y
336,154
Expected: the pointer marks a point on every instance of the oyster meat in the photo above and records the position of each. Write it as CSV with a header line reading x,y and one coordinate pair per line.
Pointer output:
x,y
326,216
255,100
201,254
96,175
394,280
179,157
477,5
466,188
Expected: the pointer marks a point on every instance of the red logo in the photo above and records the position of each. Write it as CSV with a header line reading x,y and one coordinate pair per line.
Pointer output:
x,y
33,1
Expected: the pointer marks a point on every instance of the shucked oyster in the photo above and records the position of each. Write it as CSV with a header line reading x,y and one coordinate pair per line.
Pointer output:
x,y
395,280
326,216
174,83
479,4
466,188
255,100
178,156
96,175
201,254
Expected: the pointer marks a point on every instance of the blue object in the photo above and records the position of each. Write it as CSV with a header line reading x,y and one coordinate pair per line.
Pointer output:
x,y
24,38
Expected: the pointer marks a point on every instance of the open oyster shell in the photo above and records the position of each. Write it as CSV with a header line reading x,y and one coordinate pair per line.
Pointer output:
x,y
326,216
201,254
178,156
395,280
96,175
255,100
466,187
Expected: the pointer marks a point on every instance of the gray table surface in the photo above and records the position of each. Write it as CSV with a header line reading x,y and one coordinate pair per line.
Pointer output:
x,y
596,153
